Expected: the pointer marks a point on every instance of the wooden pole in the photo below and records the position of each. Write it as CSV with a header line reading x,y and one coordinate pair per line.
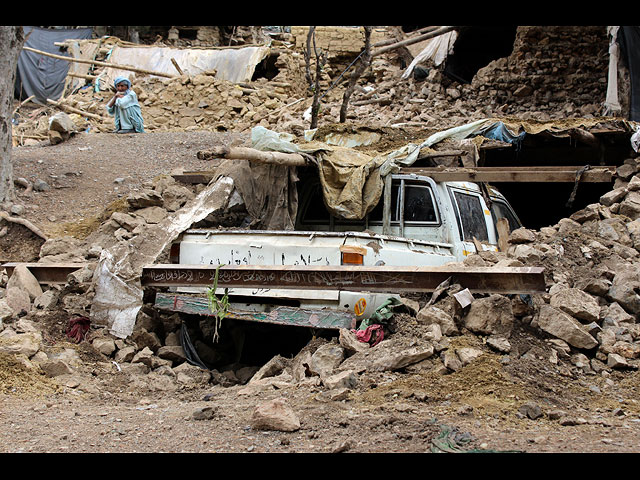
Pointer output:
x,y
253,155
102,64
75,110
410,41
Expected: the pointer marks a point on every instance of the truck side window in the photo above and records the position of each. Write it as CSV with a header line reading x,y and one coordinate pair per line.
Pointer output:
x,y
375,215
314,211
500,210
418,204
472,217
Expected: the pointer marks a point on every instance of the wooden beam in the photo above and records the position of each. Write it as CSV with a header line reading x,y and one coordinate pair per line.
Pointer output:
x,y
515,174
353,278
254,155
102,64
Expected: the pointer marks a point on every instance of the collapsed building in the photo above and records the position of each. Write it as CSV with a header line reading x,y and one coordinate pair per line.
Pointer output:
x,y
519,92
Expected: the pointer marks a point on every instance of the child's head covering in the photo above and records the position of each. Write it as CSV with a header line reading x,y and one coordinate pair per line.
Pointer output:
x,y
120,80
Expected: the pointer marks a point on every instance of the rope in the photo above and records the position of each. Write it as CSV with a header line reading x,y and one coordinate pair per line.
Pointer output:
x,y
579,174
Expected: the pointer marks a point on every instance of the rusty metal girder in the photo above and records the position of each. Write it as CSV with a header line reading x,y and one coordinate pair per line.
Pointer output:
x,y
47,273
354,278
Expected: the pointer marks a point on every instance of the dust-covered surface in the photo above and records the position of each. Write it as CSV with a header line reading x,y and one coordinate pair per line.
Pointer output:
x,y
469,390
100,409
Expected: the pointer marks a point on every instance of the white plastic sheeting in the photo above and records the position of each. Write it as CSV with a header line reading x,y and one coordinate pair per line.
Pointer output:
x,y
436,50
611,104
231,64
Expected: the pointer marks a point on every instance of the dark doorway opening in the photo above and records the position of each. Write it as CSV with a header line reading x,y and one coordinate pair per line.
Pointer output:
x,y
475,48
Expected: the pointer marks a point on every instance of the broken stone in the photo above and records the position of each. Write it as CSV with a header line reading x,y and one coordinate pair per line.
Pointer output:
x,y
499,343
617,362
388,357
26,344
275,415
190,374
468,355
350,342
326,359
145,339
104,345
23,279
531,410
576,303
127,221
434,315
175,196
630,206
342,380
564,327
522,235
624,289
152,214
613,196
173,353
55,368
273,367
125,354
204,413
490,316
46,301
18,300
145,198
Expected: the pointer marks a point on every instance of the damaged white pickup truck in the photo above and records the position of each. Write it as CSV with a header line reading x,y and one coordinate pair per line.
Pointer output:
x,y
417,222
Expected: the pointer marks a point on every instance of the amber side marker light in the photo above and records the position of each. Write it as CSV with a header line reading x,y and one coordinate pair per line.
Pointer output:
x,y
352,255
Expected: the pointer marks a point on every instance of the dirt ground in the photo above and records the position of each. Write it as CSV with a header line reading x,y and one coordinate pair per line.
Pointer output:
x,y
415,410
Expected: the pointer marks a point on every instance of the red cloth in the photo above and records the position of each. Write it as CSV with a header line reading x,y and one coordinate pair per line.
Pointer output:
x,y
373,332
78,328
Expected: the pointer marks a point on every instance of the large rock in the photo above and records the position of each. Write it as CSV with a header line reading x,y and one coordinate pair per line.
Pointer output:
x,y
490,316
576,303
326,359
630,206
390,356
565,327
18,300
26,344
273,367
432,315
23,278
624,289
275,415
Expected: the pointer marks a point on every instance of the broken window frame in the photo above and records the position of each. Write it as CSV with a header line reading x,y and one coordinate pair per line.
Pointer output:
x,y
461,220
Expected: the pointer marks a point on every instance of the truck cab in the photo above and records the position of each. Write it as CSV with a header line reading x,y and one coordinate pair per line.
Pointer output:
x,y
417,222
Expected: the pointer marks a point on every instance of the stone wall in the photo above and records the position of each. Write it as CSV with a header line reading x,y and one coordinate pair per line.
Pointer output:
x,y
338,40
549,66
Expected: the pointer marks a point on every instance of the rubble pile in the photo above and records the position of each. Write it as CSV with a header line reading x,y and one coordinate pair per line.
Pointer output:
x,y
540,80
586,322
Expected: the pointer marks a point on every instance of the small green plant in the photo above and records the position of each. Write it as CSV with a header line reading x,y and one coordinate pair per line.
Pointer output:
x,y
218,306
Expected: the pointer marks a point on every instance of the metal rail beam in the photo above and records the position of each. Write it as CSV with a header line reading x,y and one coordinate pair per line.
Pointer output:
x,y
47,273
354,278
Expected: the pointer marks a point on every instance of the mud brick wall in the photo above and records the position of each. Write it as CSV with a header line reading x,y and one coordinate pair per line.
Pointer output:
x,y
549,67
337,40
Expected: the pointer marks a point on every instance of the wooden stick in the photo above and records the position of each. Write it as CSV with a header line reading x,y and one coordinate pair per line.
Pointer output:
x,y
440,31
102,64
24,101
75,110
253,155
175,64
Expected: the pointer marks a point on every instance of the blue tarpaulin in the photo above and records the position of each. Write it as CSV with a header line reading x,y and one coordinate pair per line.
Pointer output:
x,y
41,75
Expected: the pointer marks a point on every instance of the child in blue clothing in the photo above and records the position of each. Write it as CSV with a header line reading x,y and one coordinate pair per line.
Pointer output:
x,y
125,108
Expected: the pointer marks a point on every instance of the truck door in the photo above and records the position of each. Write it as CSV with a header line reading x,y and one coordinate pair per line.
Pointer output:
x,y
473,218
